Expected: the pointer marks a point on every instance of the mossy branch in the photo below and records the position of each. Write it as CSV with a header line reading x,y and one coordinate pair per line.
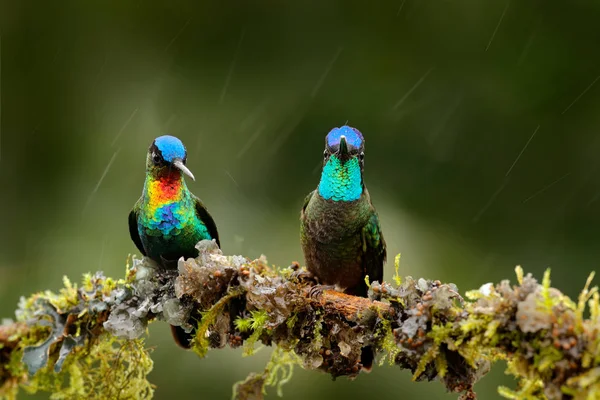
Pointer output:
x,y
85,341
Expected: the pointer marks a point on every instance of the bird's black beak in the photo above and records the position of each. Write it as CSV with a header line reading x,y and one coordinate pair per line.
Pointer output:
x,y
343,150
178,163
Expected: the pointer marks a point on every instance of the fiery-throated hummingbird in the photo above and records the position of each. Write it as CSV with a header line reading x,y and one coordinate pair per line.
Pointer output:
x,y
168,220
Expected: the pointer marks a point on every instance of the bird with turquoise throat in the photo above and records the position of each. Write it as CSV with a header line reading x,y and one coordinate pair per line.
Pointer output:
x,y
340,232
168,221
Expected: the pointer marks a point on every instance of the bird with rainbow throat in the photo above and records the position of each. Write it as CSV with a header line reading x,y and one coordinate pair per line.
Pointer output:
x,y
340,232
168,221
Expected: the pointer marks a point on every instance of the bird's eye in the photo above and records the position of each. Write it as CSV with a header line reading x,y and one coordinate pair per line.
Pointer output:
x,y
156,158
361,156
325,154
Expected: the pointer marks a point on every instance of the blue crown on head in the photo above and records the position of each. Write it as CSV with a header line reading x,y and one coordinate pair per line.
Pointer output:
x,y
353,136
170,147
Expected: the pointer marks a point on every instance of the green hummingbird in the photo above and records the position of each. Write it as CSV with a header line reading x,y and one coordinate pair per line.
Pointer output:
x,y
168,220
340,232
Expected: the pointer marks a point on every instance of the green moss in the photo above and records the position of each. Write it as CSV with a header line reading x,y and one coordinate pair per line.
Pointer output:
x,y
426,358
130,271
317,341
584,386
243,324
441,365
587,296
519,273
257,321
388,343
281,368
546,358
66,298
548,302
86,282
108,368
278,372
397,278
529,390
550,347
68,354
291,321
200,343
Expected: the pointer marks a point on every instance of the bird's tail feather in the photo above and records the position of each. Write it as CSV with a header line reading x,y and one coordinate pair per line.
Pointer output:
x,y
366,358
182,338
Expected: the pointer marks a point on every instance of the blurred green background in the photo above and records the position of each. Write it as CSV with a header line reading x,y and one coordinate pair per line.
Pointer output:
x,y
447,93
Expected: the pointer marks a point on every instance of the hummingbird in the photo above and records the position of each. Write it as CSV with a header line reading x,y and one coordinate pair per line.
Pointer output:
x,y
340,232
168,220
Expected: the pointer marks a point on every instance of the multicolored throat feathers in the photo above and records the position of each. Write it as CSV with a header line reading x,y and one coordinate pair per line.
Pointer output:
x,y
168,217
340,231
168,221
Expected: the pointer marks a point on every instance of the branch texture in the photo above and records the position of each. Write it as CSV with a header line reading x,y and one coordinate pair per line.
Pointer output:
x,y
64,342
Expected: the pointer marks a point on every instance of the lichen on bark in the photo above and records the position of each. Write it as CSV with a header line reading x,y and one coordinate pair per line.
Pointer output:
x,y
64,342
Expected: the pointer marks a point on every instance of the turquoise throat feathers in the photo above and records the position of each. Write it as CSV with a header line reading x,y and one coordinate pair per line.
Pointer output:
x,y
341,181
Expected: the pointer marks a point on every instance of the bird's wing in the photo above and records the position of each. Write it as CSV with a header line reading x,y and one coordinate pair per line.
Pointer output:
x,y
207,220
374,249
306,201
133,231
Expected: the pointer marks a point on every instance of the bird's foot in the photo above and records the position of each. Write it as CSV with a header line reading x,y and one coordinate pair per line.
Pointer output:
x,y
316,291
302,275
